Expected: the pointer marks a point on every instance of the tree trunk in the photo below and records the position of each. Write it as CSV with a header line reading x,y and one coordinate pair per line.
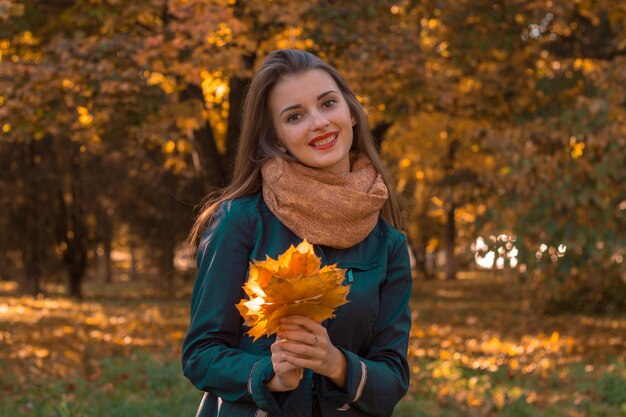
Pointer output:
x,y
207,159
496,255
166,264
78,263
450,238
108,270
3,266
32,245
450,207
211,164
104,235
236,96
72,227
419,252
133,260
421,259
379,131
32,279
76,273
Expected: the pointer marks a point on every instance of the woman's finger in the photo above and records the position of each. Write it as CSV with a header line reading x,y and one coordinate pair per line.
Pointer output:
x,y
301,350
289,326
303,321
276,346
302,362
284,366
300,336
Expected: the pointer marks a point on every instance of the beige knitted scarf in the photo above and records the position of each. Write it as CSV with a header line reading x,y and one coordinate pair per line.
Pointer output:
x,y
330,209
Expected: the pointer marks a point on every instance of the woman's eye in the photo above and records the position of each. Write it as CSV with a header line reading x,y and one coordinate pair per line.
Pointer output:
x,y
293,117
330,103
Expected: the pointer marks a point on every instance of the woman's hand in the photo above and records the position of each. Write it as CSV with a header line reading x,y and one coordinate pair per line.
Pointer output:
x,y
306,345
286,375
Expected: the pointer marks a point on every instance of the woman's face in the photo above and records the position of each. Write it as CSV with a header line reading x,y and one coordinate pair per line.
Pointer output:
x,y
312,120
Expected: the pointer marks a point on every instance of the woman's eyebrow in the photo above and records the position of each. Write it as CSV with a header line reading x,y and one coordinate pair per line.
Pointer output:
x,y
325,94
295,106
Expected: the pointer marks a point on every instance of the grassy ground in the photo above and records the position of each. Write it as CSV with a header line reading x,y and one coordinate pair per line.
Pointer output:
x,y
478,349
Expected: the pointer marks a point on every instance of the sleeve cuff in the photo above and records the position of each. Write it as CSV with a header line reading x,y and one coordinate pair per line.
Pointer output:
x,y
260,374
355,379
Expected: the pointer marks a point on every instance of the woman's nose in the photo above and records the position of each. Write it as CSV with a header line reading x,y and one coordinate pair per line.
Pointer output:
x,y
318,120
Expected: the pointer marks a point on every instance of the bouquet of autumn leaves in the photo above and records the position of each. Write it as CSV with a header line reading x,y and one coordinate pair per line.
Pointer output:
x,y
293,284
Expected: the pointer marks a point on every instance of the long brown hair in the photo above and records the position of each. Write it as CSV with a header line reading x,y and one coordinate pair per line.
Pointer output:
x,y
258,141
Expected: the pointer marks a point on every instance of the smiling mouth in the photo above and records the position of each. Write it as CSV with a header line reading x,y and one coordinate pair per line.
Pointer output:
x,y
324,141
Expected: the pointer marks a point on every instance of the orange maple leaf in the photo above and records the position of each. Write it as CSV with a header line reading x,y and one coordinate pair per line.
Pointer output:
x,y
293,284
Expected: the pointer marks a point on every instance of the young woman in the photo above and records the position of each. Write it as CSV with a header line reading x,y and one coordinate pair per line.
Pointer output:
x,y
306,167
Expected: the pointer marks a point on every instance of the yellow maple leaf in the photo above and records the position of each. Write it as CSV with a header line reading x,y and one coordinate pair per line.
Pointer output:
x,y
293,284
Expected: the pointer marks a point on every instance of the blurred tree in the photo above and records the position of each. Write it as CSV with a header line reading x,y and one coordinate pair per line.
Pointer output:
x,y
73,94
549,79
121,116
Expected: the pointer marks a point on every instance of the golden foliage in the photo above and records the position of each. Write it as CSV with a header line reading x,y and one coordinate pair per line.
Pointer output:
x,y
462,358
474,343
59,337
293,284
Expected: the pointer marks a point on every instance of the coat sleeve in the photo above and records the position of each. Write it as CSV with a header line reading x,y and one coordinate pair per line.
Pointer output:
x,y
210,358
375,383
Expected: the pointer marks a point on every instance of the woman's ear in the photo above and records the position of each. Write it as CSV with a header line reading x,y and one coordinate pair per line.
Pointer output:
x,y
281,147
353,120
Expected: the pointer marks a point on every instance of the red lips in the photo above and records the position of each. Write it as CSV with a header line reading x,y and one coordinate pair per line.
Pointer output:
x,y
322,137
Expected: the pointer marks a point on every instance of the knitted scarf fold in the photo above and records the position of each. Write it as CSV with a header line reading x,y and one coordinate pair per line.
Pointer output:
x,y
330,209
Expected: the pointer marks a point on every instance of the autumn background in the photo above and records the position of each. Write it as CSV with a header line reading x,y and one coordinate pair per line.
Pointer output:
x,y
503,123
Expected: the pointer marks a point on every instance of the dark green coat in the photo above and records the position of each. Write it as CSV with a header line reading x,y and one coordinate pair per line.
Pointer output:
x,y
372,330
